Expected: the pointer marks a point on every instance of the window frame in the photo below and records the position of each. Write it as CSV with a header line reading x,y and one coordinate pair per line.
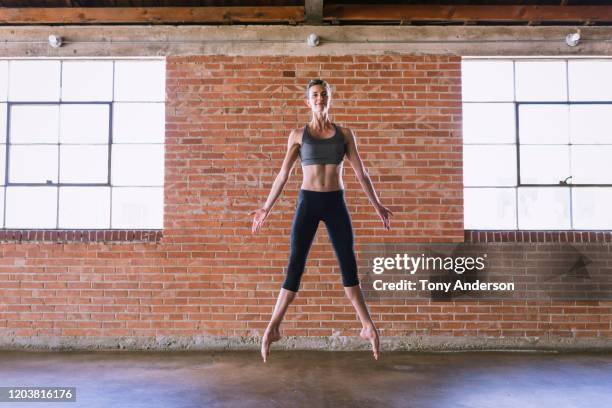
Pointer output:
x,y
85,234
8,183
517,104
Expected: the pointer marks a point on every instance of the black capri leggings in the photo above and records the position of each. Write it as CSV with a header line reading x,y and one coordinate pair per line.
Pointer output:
x,y
312,207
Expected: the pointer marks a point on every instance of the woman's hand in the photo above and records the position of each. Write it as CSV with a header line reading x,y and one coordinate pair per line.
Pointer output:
x,y
383,213
260,216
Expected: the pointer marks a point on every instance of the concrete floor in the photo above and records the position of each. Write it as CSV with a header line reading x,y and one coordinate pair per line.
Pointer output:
x,y
315,379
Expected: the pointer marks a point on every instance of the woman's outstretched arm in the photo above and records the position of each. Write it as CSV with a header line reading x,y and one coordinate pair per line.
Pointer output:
x,y
364,178
261,214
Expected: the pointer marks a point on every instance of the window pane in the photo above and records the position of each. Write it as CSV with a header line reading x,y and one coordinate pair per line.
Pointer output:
x,y
590,80
2,189
3,80
488,123
138,122
137,207
3,129
84,164
540,81
31,207
148,170
591,164
540,124
140,81
34,80
84,207
591,124
489,208
87,80
34,123
591,208
544,164
84,123
489,165
543,208
487,81
33,164
2,166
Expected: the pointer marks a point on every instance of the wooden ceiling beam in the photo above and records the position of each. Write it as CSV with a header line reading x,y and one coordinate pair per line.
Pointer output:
x,y
150,15
460,14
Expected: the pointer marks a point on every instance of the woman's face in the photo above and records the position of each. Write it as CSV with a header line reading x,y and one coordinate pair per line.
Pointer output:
x,y
318,99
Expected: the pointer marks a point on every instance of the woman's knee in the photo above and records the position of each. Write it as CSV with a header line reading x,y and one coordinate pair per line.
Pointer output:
x,y
292,283
295,270
350,278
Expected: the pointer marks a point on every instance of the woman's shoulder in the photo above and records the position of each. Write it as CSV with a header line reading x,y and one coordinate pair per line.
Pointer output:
x,y
346,132
296,135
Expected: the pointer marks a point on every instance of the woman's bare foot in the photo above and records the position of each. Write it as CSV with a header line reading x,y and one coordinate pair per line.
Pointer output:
x,y
370,334
271,335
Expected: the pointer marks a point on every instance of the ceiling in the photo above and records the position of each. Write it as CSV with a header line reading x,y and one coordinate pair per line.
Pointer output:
x,y
295,12
276,3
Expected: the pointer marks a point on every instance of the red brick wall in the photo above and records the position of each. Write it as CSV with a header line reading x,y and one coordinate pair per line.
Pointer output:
x,y
227,122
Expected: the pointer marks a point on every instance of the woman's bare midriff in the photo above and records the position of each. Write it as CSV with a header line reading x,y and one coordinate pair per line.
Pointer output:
x,y
322,177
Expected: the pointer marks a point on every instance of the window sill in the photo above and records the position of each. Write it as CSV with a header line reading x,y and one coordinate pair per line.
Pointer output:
x,y
62,236
537,236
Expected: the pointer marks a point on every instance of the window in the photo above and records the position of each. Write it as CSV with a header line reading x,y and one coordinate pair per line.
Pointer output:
x,y
537,143
82,143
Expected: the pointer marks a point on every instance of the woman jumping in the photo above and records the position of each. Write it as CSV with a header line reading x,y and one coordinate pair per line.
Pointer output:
x,y
321,145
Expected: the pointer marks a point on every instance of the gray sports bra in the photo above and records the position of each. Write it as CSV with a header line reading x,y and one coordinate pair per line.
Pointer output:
x,y
322,151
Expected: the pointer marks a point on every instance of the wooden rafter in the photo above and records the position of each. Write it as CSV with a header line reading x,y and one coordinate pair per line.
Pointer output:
x,y
460,14
150,15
